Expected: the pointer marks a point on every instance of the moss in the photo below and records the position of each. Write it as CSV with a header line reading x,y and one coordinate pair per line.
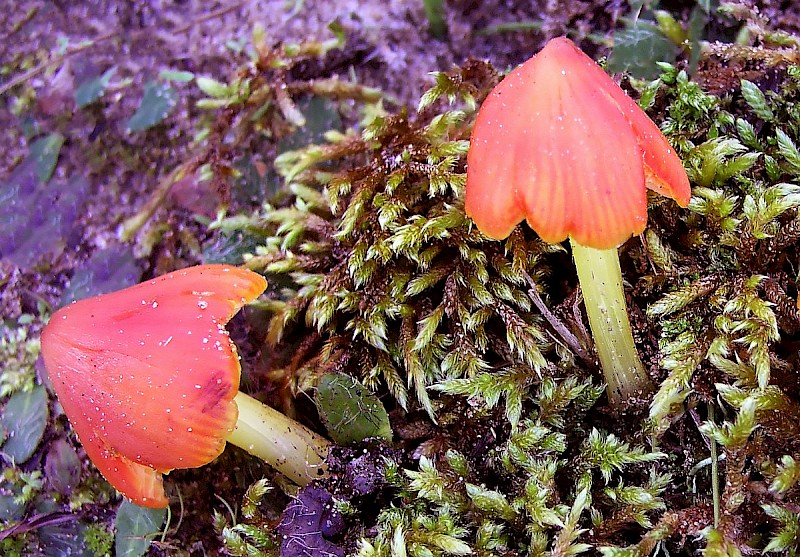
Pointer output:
x,y
18,352
378,259
98,539
726,330
377,272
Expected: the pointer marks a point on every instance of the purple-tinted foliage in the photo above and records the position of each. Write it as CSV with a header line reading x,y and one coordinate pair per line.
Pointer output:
x,y
62,467
37,219
307,523
105,271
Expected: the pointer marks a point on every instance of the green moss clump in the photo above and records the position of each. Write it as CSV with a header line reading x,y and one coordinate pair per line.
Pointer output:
x,y
18,352
375,271
99,539
376,257
727,328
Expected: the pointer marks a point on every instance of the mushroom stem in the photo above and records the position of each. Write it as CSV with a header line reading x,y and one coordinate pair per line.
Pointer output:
x,y
288,446
600,278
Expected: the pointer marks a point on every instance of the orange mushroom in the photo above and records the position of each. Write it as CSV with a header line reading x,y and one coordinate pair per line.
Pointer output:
x,y
559,144
149,379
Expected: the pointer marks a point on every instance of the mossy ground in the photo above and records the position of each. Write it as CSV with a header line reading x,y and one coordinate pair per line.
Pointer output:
x,y
503,441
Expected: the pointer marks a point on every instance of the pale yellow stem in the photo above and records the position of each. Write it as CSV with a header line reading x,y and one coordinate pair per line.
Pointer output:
x,y
600,278
288,446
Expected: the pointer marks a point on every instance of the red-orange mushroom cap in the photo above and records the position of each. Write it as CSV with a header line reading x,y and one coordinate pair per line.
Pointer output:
x,y
559,144
147,375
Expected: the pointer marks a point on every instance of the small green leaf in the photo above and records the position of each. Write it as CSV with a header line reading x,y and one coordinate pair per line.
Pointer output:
x,y
638,49
136,526
787,476
757,101
24,418
158,101
787,538
350,412
91,90
214,88
175,75
492,502
789,150
44,152
670,27
747,133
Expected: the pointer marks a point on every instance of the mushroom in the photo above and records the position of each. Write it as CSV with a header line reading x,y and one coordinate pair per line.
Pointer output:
x,y
149,379
559,144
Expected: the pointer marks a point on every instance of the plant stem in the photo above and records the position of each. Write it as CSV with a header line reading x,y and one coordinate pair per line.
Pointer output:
x,y
560,328
133,224
714,469
600,278
288,446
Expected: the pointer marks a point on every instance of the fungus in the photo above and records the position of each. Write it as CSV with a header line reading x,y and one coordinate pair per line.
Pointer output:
x,y
559,144
149,379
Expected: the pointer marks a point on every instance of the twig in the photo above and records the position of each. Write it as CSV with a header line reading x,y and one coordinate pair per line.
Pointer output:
x,y
212,15
566,335
57,60
714,470
133,224
17,25
102,38
37,521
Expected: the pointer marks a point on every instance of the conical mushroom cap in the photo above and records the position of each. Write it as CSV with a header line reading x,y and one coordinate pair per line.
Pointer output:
x,y
559,144
147,375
